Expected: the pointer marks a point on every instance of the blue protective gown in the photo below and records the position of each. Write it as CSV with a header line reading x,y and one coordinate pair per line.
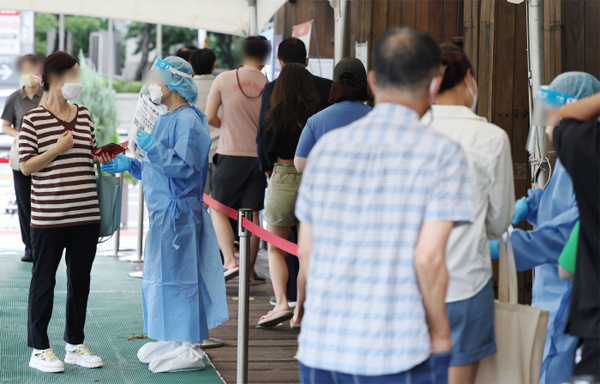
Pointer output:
x,y
554,213
183,286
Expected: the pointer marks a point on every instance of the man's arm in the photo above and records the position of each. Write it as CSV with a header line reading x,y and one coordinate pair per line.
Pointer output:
x,y
432,276
587,109
305,247
212,113
8,129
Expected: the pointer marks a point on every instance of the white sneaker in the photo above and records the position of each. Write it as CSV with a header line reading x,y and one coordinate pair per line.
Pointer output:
x,y
46,362
83,357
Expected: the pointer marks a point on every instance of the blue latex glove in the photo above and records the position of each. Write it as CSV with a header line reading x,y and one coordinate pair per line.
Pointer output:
x,y
521,210
145,141
120,164
494,249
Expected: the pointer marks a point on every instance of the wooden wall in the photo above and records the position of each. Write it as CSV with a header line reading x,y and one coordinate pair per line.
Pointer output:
x,y
368,19
571,37
496,42
300,11
493,33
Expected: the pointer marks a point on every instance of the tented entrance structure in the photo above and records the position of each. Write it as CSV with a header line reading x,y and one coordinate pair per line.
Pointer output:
x,y
232,17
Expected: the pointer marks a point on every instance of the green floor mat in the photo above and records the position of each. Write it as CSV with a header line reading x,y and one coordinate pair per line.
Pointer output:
x,y
114,313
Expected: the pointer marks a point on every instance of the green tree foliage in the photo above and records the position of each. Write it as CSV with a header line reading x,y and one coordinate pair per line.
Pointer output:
x,y
80,28
98,99
227,49
171,35
43,23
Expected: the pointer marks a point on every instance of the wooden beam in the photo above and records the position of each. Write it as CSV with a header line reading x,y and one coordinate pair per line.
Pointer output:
x,y
574,24
380,18
436,19
409,12
486,60
592,37
450,18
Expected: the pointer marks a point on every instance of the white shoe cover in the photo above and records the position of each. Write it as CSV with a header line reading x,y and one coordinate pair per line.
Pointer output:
x,y
154,349
188,357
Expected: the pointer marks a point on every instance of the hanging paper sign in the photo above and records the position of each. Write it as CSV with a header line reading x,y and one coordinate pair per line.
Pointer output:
x,y
302,32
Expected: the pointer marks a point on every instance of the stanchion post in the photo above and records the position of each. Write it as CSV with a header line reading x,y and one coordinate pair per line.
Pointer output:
x,y
244,298
118,234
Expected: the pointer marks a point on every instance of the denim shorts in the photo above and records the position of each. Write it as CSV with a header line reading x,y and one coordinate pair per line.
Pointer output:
x,y
434,370
472,324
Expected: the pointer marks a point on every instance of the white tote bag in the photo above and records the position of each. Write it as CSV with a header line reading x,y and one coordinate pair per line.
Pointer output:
x,y
520,331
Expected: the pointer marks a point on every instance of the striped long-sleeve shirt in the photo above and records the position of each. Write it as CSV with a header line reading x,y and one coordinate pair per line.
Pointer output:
x,y
64,192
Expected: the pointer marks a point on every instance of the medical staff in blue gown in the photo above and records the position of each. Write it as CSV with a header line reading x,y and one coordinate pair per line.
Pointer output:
x,y
183,287
553,212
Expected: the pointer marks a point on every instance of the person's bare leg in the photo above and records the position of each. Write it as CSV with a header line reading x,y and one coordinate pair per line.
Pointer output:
x,y
463,374
302,275
278,269
254,245
224,237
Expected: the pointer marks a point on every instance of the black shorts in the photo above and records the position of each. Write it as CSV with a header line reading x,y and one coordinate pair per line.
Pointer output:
x,y
238,182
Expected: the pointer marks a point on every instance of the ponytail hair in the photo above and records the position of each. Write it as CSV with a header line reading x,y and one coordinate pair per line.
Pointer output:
x,y
455,65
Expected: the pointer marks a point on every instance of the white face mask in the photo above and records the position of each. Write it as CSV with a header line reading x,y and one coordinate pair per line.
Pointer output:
x,y
156,93
474,94
432,86
70,91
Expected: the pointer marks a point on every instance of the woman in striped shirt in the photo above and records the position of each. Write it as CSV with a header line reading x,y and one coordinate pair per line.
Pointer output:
x,y
55,147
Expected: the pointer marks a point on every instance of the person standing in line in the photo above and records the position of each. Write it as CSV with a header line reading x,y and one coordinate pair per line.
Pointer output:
x,y
203,64
376,205
186,52
17,105
293,101
470,297
348,95
290,50
55,147
237,179
577,143
553,212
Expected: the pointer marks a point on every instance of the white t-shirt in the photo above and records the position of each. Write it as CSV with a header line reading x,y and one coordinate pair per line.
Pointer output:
x,y
490,166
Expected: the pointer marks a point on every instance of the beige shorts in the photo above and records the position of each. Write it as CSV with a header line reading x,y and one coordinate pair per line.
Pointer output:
x,y
281,195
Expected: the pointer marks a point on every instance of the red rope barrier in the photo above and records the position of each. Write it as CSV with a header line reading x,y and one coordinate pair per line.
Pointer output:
x,y
267,236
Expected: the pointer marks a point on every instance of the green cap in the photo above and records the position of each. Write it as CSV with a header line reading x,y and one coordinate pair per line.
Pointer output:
x,y
349,70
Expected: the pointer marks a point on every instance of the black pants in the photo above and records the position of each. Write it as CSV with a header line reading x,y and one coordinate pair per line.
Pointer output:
x,y
587,357
23,193
48,245
293,268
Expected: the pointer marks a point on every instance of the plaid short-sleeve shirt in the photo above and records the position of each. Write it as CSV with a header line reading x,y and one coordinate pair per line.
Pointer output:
x,y
366,192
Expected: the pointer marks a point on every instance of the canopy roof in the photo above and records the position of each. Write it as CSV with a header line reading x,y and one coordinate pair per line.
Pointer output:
x,y
224,16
